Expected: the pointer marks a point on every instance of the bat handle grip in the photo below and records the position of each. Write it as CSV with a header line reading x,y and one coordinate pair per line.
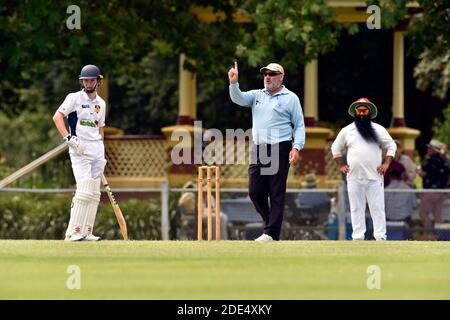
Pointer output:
x,y
104,181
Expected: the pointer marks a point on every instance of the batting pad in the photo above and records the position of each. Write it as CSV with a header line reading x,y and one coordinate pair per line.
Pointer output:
x,y
80,206
91,212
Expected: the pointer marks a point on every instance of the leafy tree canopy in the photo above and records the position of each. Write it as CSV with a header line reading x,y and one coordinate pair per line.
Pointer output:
x,y
442,128
127,39
292,31
428,32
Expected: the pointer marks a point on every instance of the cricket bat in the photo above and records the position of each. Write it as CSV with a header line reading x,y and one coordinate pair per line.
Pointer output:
x,y
116,208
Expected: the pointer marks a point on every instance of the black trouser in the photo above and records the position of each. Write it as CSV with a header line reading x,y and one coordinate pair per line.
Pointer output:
x,y
262,187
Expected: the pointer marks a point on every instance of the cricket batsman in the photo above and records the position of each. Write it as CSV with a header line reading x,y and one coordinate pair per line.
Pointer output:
x,y
85,112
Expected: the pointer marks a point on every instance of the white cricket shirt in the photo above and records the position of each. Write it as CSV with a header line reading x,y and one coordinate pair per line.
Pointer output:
x,y
85,116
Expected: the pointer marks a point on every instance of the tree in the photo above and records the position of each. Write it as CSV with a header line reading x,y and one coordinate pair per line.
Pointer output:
x,y
293,32
442,128
433,72
113,35
103,39
137,44
429,33
144,97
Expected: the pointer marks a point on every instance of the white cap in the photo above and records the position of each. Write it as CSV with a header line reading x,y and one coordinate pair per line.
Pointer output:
x,y
273,67
436,145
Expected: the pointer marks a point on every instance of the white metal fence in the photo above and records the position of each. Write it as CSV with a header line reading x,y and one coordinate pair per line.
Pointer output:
x,y
339,204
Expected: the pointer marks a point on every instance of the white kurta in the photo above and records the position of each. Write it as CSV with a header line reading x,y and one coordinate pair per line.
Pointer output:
x,y
365,184
363,158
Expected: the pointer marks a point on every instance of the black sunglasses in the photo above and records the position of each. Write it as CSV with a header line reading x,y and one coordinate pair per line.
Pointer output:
x,y
271,74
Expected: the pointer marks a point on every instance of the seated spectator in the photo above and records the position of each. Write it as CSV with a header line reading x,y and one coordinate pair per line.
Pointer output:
x,y
399,206
188,212
316,204
408,163
187,200
188,208
395,166
435,171
312,198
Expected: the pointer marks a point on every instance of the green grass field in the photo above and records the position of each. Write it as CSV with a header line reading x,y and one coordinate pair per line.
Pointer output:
x,y
224,270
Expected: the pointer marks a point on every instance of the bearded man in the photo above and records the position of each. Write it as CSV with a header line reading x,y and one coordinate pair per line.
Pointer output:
x,y
364,168
278,133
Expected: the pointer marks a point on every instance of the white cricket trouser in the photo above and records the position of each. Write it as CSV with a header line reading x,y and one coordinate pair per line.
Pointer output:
x,y
91,164
360,192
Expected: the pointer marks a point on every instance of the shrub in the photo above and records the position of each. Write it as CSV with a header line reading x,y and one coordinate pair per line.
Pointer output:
x,y
45,216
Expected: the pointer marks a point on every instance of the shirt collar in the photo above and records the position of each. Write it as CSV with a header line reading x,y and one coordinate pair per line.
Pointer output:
x,y
284,90
85,96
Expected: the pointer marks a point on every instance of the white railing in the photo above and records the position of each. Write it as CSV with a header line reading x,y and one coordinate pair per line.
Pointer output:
x,y
165,190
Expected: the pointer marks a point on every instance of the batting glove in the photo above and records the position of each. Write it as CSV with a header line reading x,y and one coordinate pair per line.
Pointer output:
x,y
75,143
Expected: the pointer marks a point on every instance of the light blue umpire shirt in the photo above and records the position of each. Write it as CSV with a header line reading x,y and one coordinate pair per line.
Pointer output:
x,y
273,116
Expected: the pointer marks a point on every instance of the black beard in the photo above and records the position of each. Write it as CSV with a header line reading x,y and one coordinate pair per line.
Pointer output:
x,y
365,129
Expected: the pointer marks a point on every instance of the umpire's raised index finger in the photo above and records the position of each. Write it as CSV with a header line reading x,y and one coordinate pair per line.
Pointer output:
x,y
235,65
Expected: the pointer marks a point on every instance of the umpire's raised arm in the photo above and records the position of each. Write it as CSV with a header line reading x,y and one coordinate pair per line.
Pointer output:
x,y
244,99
